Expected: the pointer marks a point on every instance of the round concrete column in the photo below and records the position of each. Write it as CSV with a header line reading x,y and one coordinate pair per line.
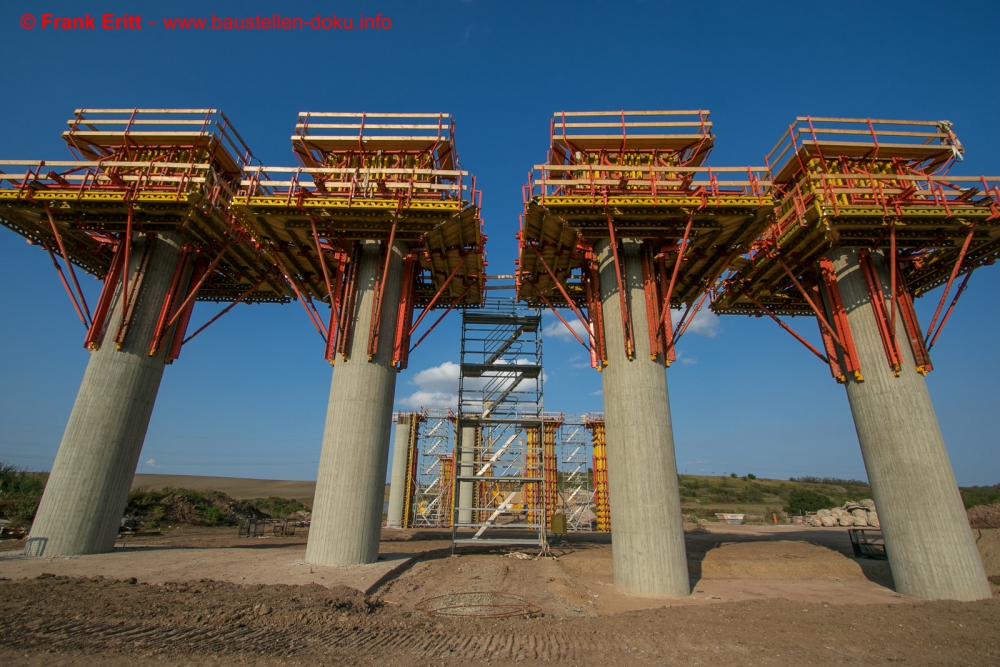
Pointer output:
x,y
350,486
88,487
646,526
931,549
397,479
467,469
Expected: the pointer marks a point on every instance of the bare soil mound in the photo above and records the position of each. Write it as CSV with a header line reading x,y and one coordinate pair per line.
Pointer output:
x,y
984,516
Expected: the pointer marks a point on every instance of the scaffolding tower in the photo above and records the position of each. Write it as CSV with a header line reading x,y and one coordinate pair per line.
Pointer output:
x,y
499,487
576,487
431,497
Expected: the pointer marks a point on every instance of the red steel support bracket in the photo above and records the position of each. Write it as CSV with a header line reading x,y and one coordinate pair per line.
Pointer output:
x,y
201,269
812,304
842,335
404,314
72,272
125,273
337,299
921,355
831,355
685,322
681,247
193,292
877,300
437,295
96,331
184,258
598,354
225,310
62,278
786,328
626,301
961,288
454,303
345,331
951,281
650,288
132,287
569,301
557,313
313,316
386,255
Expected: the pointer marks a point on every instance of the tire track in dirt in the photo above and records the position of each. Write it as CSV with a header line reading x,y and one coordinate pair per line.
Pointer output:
x,y
416,642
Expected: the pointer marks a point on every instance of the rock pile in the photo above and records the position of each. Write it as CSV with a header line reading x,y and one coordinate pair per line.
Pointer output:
x,y
859,514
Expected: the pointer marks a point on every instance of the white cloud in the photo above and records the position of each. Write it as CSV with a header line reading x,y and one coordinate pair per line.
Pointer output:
x,y
599,392
705,323
685,359
558,330
151,463
429,399
438,378
437,387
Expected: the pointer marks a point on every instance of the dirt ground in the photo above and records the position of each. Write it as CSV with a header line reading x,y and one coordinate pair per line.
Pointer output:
x,y
767,595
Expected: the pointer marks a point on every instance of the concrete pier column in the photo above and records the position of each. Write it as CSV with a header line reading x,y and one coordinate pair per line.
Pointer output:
x,y
468,468
87,490
350,486
397,479
646,526
930,546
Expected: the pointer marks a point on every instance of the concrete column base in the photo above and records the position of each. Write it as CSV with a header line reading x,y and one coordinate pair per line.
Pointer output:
x,y
648,550
350,486
467,458
87,490
930,546
397,479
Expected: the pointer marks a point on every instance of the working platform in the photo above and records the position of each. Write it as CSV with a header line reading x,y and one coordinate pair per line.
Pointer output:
x,y
371,177
871,184
637,175
143,171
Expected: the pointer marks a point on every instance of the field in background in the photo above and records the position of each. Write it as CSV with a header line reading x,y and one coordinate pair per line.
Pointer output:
x,y
239,488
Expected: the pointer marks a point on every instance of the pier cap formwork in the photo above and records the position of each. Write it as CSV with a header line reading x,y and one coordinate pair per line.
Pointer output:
x,y
867,218
143,171
640,175
383,177
879,186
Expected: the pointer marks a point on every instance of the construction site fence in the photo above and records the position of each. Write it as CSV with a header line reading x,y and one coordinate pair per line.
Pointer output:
x,y
263,527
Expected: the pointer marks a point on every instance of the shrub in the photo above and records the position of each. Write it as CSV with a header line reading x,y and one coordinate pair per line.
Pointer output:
x,y
20,491
750,475
212,516
804,500
974,496
277,508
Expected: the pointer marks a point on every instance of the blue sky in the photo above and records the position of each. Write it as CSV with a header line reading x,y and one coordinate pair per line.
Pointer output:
x,y
248,397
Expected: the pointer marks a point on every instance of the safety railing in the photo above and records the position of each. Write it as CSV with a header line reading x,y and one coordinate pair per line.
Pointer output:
x,y
168,135
925,146
595,180
350,183
424,140
680,137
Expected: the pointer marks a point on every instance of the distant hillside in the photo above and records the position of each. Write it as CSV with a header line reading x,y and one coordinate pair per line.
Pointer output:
x,y
236,487
748,492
